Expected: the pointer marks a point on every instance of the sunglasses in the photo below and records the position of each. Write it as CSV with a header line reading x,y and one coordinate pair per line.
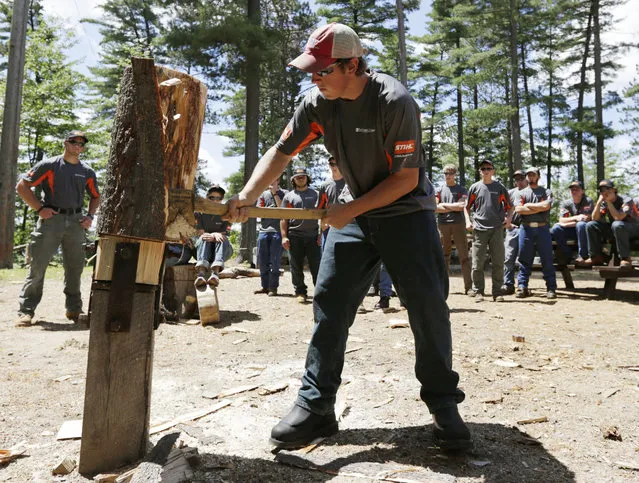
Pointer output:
x,y
332,164
486,169
77,143
324,72
214,198
450,173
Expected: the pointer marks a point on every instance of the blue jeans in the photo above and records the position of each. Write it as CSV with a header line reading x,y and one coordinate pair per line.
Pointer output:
x,y
511,245
212,254
269,256
529,239
179,254
301,247
385,282
410,247
578,233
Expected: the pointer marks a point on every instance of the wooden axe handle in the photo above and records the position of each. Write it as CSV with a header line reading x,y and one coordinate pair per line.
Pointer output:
x,y
210,207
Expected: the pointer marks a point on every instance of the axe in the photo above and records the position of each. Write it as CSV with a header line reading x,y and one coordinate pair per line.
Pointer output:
x,y
183,204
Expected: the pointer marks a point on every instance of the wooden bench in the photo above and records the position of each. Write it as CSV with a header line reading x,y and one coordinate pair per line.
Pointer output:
x,y
612,272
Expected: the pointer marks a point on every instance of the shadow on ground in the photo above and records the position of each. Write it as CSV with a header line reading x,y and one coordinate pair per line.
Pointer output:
x,y
500,454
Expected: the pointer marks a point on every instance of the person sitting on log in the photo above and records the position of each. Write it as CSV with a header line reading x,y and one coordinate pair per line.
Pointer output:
x,y
212,246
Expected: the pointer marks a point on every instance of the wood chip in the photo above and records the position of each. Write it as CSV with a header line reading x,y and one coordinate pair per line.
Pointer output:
x,y
542,419
231,392
479,463
493,400
234,329
398,323
7,455
384,403
239,341
610,392
171,82
588,367
255,367
627,465
70,430
519,338
62,378
64,467
273,388
612,433
354,349
105,478
630,368
506,363
189,417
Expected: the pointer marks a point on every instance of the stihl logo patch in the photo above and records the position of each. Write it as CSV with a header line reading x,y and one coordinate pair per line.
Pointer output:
x,y
404,147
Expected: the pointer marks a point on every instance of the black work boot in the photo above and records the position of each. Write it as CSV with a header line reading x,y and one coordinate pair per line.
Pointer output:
x,y
451,434
300,427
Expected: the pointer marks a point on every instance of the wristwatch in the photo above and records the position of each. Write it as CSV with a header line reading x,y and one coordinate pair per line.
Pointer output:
x,y
91,215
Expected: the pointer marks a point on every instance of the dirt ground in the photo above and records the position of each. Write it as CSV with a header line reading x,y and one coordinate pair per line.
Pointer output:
x,y
576,371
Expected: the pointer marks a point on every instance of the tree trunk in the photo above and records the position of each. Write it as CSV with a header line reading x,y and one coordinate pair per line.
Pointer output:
x,y
601,167
125,291
431,131
401,37
581,95
514,86
475,130
248,238
10,136
549,133
509,138
183,104
531,131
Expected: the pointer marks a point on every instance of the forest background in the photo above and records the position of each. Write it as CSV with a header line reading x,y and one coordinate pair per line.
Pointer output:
x,y
522,82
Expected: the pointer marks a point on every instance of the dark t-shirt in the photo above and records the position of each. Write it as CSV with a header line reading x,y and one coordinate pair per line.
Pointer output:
x,y
536,195
370,137
451,194
329,193
489,203
63,184
301,199
626,205
513,193
267,200
212,223
569,208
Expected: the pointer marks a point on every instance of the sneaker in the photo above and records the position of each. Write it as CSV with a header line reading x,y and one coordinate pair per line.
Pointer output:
x,y
522,292
498,298
383,304
300,427
551,294
373,291
200,280
214,280
24,320
272,292
507,289
260,291
472,293
451,434
479,297
626,263
301,298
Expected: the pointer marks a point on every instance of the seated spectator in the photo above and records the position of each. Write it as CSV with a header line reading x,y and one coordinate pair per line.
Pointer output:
x,y
574,214
178,253
213,246
614,216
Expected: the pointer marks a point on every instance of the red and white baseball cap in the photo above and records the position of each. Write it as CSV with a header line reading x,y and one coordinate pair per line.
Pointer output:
x,y
326,45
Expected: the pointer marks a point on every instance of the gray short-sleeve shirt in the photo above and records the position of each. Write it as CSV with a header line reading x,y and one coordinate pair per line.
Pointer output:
x,y
489,204
370,137
535,195
301,199
267,200
451,194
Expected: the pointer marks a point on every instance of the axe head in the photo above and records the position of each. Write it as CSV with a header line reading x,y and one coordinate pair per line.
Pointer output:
x,y
180,220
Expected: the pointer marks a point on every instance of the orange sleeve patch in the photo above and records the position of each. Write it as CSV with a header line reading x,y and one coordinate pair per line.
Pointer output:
x,y
405,147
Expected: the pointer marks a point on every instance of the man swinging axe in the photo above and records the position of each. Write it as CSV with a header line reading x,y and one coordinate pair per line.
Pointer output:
x,y
370,124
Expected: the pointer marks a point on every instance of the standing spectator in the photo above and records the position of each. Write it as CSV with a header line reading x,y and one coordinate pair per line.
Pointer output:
x,y
534,208
452,221
269,241
370,123
488,199
213,246
301,237
615,216
65,180
574,215
512,235
330,191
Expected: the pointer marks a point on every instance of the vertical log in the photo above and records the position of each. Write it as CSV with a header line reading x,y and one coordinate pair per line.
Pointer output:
x,y
126,281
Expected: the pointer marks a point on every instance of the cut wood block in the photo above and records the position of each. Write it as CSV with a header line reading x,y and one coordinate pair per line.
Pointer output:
x,y
70,430
150,259
64,467
208,304
542,419
105,478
